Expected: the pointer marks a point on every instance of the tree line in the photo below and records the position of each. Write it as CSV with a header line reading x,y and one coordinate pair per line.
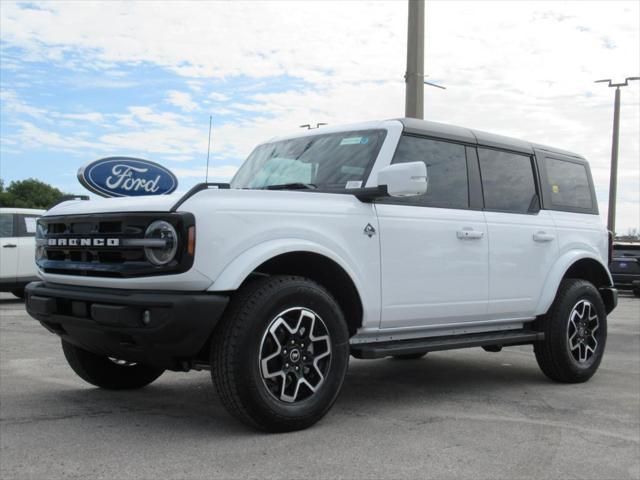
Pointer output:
x,y
29,193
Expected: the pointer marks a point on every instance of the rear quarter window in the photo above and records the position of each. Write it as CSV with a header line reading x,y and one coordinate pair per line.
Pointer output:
x,y
27,225
569,184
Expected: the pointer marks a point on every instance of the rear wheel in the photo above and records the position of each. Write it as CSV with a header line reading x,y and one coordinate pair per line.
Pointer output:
x,y
106,372
575,331
280,354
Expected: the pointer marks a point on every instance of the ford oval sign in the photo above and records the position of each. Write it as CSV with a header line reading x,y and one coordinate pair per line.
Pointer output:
x,y
127,177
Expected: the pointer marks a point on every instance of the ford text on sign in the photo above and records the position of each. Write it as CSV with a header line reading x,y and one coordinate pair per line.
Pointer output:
x,y
127,177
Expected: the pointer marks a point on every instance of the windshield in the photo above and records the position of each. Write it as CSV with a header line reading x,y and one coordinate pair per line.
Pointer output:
x,y
331,161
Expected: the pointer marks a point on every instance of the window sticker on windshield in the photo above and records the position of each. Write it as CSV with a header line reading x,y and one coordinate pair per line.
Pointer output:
x,y
555,189
354,141
353,184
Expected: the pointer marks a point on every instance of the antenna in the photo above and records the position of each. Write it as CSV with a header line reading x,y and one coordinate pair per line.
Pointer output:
x,y
206,178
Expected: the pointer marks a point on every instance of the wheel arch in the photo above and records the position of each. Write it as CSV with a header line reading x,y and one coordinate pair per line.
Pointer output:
x,y
574,264
302,258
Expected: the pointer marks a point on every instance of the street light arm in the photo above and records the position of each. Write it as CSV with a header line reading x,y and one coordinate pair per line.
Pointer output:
x,y
435,85
623,84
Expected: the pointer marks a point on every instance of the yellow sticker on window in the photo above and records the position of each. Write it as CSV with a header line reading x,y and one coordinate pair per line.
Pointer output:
x,y
555,189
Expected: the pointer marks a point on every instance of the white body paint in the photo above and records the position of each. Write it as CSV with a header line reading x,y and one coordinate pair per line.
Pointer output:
x,y
417,275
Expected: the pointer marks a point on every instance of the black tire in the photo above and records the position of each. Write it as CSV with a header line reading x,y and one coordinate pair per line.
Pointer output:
x,y
18,292
554,355
238,347
410,356
104,373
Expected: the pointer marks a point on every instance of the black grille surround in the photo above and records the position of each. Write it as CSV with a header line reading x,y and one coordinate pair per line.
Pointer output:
x,y
123,260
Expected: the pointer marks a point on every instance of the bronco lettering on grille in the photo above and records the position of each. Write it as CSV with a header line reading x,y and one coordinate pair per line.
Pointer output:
x,y
83,242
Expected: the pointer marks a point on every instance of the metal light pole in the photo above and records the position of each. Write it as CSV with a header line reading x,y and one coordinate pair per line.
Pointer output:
x,y
414,77
613,178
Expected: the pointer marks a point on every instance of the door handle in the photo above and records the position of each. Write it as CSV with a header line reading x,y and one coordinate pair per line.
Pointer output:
x,y
543,237
469,234
10,245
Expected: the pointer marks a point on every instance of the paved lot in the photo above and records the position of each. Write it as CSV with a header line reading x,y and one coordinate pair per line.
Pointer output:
x,y
453,414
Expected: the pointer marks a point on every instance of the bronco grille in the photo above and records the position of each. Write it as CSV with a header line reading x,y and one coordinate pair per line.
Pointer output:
x,y
107,245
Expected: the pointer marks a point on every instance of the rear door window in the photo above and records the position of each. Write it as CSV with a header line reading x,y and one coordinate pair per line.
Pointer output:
x,y
508,183
569,184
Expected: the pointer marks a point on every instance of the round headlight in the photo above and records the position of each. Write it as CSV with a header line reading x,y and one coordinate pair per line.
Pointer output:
x,y
161,230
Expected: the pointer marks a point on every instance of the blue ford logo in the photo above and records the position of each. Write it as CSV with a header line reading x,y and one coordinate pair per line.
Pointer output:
x,y
127,177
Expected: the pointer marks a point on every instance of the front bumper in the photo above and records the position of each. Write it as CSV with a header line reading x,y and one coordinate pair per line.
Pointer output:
x,y
163,329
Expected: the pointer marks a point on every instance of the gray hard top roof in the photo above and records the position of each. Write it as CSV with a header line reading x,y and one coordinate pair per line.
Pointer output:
x,y
467,135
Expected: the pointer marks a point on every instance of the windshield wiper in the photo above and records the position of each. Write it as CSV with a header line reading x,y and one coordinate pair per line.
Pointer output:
x,y
292,186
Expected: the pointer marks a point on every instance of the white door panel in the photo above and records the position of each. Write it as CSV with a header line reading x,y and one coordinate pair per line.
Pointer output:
x,y
8,248
434,265
26,257
8,258
26,246
522,249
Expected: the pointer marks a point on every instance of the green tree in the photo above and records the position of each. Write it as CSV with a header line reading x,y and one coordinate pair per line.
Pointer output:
x,y
29,193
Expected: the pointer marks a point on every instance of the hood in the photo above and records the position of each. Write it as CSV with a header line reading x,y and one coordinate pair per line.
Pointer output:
x,y
158,203
222,200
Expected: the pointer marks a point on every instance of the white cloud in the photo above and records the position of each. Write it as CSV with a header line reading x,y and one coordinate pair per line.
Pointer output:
x,y
94,117
218,173
32,136
218,97
11,102
182,100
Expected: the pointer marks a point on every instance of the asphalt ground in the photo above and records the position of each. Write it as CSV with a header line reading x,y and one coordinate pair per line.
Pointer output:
x,y
456,414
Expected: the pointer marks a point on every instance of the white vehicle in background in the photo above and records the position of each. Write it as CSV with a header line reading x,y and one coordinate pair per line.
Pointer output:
x,y
383,239
17,248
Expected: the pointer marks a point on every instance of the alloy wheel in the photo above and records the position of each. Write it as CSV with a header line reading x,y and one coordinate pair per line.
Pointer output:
x,y
581,331
295,355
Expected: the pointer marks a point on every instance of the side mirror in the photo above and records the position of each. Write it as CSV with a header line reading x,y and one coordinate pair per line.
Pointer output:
x,y
404,179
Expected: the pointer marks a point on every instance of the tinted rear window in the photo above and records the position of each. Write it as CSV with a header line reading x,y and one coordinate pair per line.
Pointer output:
x,y
508,184
569,184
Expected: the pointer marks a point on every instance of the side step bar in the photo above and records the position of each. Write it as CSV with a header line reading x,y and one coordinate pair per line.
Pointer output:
x,y
432,344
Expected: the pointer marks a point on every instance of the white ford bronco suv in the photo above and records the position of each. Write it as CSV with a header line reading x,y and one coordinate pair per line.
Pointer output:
x,y
390,238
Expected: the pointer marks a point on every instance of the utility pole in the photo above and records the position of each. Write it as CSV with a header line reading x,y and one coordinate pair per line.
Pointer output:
x,y
414,76
613,178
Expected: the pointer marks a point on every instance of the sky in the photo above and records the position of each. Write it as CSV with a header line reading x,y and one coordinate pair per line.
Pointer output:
x,y
85,80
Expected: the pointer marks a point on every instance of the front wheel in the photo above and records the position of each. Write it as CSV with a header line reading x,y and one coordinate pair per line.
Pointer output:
x,y
575,329
106,372
280,354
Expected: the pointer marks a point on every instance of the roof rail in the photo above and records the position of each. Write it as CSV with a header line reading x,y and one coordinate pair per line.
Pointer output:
x,y
198,188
